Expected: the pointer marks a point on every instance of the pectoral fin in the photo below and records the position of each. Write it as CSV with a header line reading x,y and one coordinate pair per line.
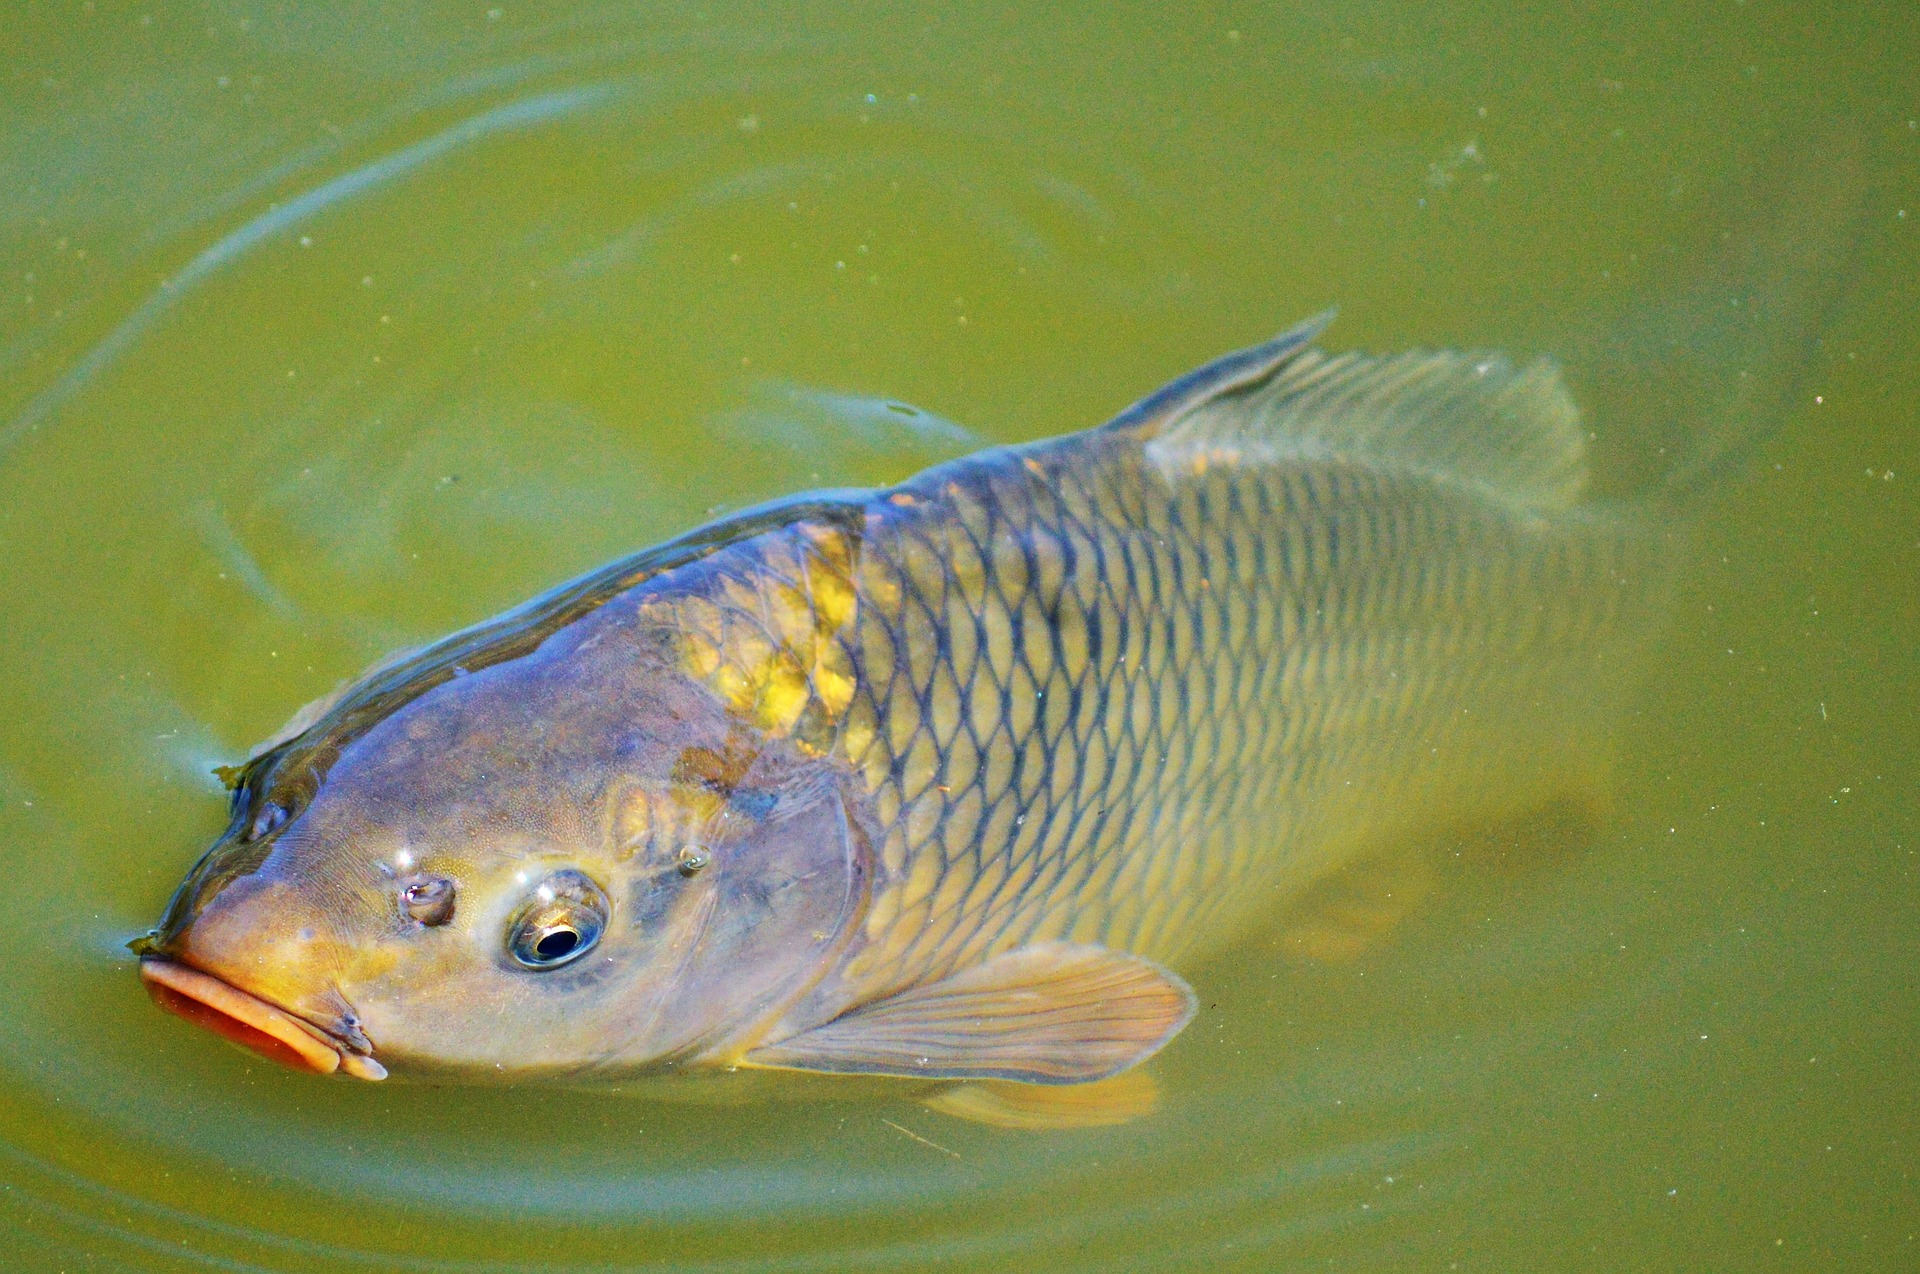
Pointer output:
x,y
1053,1013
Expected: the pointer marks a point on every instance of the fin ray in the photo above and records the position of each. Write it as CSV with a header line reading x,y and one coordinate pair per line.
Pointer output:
x,y
1475,418
1051,1013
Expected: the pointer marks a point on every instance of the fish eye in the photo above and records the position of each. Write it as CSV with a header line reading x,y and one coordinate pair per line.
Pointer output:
x,y
561,921
429,901
267,821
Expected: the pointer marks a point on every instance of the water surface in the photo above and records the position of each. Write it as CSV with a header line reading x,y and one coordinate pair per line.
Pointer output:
x,y
322,334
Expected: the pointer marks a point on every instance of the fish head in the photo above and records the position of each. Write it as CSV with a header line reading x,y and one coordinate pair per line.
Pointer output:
x,y
559,864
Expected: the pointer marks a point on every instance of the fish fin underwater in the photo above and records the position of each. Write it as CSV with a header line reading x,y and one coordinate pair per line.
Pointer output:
x,y
1353,909
1347,912
1712,364
1051,1013
1098,1103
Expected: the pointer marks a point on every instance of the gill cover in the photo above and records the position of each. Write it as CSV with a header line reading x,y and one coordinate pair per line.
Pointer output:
x,y
770,891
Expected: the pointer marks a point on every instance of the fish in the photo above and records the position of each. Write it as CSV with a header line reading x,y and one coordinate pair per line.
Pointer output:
x,y
954,780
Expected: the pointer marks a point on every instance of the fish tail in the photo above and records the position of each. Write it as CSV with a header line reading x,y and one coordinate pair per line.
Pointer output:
x,y
1724,362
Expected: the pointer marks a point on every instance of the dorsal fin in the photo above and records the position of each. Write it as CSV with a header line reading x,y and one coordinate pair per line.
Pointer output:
x,y
1177,399
1474,418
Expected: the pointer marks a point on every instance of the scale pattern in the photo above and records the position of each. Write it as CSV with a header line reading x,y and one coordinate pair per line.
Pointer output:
x,y
1097,698
1092,702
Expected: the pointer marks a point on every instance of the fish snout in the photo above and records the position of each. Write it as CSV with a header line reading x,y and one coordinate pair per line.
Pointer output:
x,y
252,969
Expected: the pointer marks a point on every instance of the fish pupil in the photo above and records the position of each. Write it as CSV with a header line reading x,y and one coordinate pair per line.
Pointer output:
x,y
559,922
554,945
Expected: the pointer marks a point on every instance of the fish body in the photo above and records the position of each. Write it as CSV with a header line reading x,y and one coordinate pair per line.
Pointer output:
x,y
944,779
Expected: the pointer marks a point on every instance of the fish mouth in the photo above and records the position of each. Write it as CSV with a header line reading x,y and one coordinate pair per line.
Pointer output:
x,y
252,1022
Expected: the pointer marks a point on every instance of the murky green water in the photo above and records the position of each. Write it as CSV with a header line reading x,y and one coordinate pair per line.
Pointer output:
x,y
323,333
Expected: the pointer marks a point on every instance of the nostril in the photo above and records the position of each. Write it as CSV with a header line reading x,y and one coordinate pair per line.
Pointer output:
x,y
428,901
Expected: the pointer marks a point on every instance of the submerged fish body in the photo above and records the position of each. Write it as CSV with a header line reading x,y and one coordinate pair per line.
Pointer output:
x,y
944,779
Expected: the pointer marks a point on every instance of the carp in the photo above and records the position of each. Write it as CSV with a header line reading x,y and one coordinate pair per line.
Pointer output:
x,y
946,780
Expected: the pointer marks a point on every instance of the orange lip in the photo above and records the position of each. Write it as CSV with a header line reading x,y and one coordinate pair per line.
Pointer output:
x,y
249,1020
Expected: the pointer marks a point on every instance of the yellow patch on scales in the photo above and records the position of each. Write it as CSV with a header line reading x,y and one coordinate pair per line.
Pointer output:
x,y
770,645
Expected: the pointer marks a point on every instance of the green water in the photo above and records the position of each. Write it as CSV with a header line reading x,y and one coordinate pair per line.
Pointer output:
x,y
324,333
